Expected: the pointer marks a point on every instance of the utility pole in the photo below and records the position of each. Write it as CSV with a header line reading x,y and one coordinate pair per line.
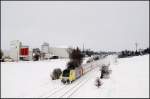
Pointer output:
x,y
136,45
83,47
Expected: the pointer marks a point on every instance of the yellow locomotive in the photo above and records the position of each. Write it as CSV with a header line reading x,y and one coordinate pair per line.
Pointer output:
x,y
70,75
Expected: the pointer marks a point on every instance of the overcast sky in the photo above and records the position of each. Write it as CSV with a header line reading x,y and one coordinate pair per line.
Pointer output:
x,y
99,25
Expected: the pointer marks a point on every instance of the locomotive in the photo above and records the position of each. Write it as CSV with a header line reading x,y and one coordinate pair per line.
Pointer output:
x,y
69,75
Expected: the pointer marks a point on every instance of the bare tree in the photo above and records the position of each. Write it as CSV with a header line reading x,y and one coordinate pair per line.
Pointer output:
x,y
98,82
76,58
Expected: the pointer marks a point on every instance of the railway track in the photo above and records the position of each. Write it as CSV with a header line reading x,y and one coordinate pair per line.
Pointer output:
x,y
74,89
52,91
63,92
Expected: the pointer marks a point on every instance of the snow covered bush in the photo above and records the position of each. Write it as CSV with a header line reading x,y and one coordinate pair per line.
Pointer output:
x,y
98,82
56,74
105,72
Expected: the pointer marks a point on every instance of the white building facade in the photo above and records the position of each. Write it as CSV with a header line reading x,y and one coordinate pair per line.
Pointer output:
x,y
60,52
15,49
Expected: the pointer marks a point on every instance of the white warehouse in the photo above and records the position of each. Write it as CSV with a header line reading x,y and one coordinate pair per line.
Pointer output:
x,y
60,52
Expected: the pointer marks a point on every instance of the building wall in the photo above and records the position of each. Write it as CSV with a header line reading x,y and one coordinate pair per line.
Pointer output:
x,y
6,53
61,52
24,52
15,49
30,55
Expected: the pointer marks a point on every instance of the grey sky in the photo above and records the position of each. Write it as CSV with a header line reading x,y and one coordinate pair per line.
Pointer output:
x,y
99,25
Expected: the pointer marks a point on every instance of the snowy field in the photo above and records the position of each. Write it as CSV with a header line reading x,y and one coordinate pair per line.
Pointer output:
x,y
129,78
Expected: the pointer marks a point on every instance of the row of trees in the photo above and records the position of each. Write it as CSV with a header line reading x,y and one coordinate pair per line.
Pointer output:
x,y
90,52
127,53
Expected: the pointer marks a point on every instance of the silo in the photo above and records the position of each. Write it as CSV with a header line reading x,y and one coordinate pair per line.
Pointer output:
x,y
45,50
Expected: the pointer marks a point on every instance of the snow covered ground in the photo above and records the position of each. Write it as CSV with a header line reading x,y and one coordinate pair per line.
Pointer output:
x,y
26,79
129,78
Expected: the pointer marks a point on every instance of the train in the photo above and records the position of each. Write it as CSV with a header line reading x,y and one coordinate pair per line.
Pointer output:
x,y
68,76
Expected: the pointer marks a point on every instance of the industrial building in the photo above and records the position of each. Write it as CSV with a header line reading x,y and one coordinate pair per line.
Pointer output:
x,y
18,51
24,52
48,52
60,52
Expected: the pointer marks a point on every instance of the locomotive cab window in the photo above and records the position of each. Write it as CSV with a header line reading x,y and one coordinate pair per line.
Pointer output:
x,y
66,73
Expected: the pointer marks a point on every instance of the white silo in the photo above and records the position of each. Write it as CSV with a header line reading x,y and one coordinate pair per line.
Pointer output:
x,y
45,50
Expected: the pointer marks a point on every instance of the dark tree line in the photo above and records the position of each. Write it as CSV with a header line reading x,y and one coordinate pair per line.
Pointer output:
x,y
146,51
127,53
89,52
